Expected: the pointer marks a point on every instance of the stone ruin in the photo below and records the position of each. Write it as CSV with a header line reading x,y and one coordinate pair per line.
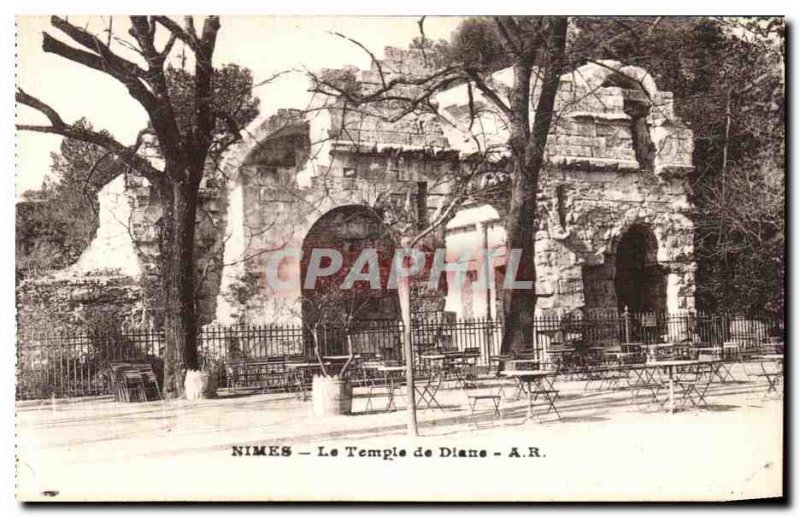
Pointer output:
x,y
614,228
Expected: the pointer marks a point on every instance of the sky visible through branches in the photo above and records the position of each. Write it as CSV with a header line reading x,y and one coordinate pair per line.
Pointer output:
x,y
255,42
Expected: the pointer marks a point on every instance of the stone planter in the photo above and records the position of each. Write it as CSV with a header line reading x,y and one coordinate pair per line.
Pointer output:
x,y
200,384
331,396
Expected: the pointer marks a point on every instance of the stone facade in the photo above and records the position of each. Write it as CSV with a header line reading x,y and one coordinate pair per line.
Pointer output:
x,y
613,202
143,226
283,199
617,160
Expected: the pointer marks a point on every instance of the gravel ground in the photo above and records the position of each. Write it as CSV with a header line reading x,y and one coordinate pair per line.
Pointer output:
x,y
602,448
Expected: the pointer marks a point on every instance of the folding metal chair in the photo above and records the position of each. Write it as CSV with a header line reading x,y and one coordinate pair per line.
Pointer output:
x,y
427,392
296,377
134,384
276,374
234,370
469,376
545,387
393,381
149,381
118,383
763,369
475,398
372,386
723,372
645,381
694,384
773,373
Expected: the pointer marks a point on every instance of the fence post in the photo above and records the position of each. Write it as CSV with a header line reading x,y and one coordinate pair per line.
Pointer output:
x,y
489,339
627,327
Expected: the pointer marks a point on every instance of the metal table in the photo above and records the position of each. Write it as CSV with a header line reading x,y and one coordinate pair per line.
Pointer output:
x,y
670,367
543,380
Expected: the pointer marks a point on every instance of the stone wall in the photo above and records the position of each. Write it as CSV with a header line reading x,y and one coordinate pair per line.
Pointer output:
x,y
616,158
209,241
79,303
278,213
598,207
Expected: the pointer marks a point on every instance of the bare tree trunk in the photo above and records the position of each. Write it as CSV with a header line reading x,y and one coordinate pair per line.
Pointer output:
x,y
317,354
350,353
180,318
404,294
519,304
527,158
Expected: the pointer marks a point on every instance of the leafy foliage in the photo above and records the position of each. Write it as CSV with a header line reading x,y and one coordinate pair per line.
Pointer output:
x,y
241,291
344,79
476,44
57,224
232,102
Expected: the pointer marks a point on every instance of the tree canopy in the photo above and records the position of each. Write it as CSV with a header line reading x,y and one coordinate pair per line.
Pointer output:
x,y
191,121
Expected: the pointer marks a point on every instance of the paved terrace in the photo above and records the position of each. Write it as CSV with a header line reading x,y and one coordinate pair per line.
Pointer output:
x,y
603,447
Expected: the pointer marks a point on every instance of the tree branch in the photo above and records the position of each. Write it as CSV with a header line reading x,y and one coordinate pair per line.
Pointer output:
x,y
157,105
371,55
430,85
58,127
421,25
31,101
488,92
204,114
189,37
93,43
131,81
144,32
513,43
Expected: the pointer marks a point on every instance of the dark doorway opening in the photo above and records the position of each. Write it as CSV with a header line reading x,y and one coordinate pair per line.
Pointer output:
x,y
639,283
349,230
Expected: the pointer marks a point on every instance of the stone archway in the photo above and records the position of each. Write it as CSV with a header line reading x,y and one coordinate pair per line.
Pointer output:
x,y
349,230
639,281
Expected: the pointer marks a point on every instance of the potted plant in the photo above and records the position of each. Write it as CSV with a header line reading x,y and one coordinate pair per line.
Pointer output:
x,y
333,308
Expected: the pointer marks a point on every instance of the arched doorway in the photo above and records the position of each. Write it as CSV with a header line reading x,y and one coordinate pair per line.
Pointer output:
x,y
639,282
349,230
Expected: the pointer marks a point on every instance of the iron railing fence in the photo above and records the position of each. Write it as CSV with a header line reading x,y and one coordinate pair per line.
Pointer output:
x,y
71,363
